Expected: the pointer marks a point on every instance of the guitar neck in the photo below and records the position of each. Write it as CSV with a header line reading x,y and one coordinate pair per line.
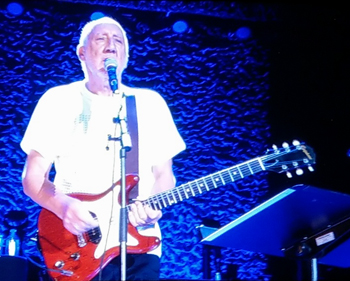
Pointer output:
x,y
201,185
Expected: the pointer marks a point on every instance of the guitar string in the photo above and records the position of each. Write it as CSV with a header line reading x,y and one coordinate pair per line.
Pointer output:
x,y
187,190
244,169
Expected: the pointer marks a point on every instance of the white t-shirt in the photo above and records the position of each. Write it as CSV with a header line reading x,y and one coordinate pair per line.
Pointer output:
x,y
70,127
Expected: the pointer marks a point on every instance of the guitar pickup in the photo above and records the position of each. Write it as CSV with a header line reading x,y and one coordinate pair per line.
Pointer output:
x,y
94,235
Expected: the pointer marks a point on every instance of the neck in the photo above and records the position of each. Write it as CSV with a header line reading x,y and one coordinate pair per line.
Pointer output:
x,y
99,87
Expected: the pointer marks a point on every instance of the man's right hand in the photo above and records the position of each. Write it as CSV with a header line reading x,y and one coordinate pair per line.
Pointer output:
x,y
76,217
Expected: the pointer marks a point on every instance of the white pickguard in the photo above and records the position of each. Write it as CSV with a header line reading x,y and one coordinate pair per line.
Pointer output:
x,y
107,210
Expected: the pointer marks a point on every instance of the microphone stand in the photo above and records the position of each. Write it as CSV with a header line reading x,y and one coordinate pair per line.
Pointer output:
x,y
125,146
125,141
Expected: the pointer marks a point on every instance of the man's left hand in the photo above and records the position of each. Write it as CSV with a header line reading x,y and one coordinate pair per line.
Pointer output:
x,y
143,215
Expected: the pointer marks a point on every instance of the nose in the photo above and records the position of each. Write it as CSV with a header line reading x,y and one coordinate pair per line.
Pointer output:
x,y
110,46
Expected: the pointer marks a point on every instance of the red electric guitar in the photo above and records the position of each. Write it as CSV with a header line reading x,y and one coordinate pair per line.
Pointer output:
x,y
69,257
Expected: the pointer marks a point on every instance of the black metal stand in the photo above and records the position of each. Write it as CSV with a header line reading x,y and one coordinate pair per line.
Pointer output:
x,y
302,222
111,66
125,142
123,220
125,146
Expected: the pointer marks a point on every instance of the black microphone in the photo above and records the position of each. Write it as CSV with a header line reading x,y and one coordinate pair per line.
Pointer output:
x,y
111,68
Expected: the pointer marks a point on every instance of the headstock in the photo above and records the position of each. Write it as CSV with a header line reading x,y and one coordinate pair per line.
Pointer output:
x,y
288,158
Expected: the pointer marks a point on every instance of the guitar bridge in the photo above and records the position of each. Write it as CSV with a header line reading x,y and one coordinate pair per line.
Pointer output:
x,y
81,241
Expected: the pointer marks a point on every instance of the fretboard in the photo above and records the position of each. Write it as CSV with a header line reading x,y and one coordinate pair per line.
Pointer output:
x,y
201,185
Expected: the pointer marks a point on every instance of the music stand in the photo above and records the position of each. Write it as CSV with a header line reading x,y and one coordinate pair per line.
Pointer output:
x,y
301,222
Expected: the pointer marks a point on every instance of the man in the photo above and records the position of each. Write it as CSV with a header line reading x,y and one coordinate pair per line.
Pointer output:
x,y
72,128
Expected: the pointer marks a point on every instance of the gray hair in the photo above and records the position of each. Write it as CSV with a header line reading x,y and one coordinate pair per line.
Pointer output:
x,y
87,29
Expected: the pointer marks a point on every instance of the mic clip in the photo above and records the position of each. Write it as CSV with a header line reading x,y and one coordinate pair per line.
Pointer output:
x,y
124,138
110,138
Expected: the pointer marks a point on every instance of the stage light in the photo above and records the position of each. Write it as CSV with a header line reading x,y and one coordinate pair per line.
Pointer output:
x,y
15,8
96,15
180,26
243,32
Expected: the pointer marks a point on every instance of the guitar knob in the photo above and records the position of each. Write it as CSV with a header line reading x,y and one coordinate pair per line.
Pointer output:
x,y
59,264
75,256
299,172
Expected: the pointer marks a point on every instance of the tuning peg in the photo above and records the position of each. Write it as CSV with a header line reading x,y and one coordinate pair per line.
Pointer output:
x,y
289,175
274,147
311,169
286,146
296,142
299,172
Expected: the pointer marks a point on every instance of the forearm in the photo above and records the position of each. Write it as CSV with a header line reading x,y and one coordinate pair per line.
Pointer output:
x,y
36,184
141,215
39,188
164,177
44,193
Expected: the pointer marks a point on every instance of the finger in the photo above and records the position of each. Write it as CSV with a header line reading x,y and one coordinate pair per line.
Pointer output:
x,y
134,215
143,217
72,228
152,214
80,223
92,221
79,229
132,219
149,215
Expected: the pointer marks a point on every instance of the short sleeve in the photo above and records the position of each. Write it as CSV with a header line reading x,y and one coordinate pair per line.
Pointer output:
x,y
44,130
162,137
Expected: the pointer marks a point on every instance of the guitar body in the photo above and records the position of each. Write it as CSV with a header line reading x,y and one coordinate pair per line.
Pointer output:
x,y
70,257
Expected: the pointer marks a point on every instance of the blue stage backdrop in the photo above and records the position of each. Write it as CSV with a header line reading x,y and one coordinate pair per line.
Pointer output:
x,y
215,83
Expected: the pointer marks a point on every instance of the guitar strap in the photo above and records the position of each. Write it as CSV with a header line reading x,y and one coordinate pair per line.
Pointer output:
x,y
132,156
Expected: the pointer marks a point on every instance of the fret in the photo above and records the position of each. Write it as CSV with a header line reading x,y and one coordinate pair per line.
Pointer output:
x,y
257,167
191,188
215,186
250,169
178,192
198,186
235,173
149,202
167,197
158,206
261,164
222,179
185,191
240,172
174,198
205,183
231,175
162,197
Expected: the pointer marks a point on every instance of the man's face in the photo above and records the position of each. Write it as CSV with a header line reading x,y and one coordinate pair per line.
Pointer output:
x,y
105,41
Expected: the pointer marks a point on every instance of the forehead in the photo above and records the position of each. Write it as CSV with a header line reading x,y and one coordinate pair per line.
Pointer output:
x,y
107,28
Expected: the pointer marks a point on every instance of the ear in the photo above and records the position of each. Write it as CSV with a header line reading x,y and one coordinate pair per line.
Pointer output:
x,y
81,53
